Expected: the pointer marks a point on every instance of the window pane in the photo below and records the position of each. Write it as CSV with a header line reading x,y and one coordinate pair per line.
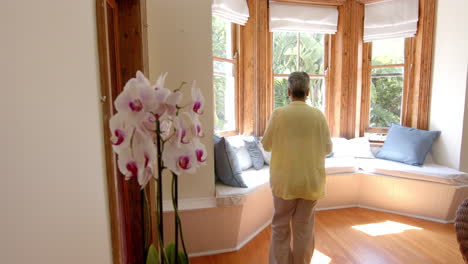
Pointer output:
x,y
224,88
388,51
312,49
316,97
317,93
386,96
222,38
281,91
284,52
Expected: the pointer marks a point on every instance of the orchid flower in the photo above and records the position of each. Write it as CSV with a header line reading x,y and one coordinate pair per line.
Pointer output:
x,y
165,128
167,101
200,151
198,101
128,164
138,160
137,96
122,128
196,126
145,152
180,132
179,159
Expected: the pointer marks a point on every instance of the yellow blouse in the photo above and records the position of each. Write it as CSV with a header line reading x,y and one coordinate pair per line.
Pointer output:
x,y
298,138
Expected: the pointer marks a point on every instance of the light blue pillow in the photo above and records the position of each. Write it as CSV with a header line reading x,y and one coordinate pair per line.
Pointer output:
x,y
407,145
227,168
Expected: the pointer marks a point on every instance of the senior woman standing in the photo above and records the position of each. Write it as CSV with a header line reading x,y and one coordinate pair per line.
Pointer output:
x,y
298,138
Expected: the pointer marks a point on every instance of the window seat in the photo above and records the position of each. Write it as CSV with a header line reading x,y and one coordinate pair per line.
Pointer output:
x,y
255,179
428,172
241,213
430,192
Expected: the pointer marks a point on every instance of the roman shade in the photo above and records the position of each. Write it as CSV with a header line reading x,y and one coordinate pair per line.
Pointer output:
x,y
391,19
293,17
235,11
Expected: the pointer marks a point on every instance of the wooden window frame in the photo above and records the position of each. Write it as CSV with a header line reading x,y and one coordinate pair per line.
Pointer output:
x,y
417,73
237,69
325,75
346,77
366,87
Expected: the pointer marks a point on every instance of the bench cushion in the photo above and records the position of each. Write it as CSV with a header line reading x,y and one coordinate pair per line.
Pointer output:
x,y
341,165
427,172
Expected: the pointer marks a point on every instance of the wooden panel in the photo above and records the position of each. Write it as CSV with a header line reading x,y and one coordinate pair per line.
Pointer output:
x,y
350,27
368,1
264,94
336,68
131,54
316,2
109,81
248,55
366,87
328,87
423,63
380,130
408,85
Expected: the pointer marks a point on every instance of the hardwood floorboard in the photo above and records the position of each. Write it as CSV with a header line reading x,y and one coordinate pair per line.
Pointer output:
x,y
424,241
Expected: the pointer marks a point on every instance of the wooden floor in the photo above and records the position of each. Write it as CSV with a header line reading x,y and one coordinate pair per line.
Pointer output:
x,y
338,242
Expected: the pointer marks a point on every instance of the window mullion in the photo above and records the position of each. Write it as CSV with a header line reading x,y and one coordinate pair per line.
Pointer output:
x,y
298,51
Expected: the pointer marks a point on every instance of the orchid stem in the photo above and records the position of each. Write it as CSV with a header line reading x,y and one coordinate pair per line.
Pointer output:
x,y
180,87
159,196
178,223
175,204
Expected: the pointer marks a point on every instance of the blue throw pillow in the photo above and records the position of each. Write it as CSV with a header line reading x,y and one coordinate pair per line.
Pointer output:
x,y
255,153
407,145
227,168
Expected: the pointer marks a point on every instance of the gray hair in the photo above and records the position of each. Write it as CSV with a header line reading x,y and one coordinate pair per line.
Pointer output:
x,y
298,84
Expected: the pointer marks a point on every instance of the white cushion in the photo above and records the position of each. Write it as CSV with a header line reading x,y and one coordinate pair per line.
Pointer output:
x,y
341,165
266,155
237,142
360,148
427,172
340,148
355,147
254,179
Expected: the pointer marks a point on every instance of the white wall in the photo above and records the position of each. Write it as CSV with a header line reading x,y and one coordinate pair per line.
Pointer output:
x,y
450,84
179,36
52,194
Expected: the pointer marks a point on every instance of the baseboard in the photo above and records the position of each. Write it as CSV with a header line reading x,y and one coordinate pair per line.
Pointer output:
x,y
253,235
336,207
409,215
190,204
238,247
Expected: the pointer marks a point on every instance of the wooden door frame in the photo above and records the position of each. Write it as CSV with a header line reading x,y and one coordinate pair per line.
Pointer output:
x,y
126,203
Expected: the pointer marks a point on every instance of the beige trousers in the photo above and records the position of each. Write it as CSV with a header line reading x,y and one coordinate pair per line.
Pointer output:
x,y
297,214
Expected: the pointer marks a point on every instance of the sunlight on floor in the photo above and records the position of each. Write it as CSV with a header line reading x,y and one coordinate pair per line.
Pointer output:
x,y
320,258
384,228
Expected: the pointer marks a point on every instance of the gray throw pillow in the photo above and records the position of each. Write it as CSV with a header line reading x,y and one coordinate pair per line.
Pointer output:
x,y
255,153
227,169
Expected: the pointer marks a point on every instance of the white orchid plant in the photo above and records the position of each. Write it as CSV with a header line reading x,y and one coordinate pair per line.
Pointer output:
x,y
152,132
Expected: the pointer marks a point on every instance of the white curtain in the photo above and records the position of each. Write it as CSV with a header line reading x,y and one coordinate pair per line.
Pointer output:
x,y
391,19
292,17
235,11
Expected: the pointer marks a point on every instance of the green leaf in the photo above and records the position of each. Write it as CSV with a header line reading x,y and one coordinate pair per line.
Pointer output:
x,y
152,257
170,252
183,259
